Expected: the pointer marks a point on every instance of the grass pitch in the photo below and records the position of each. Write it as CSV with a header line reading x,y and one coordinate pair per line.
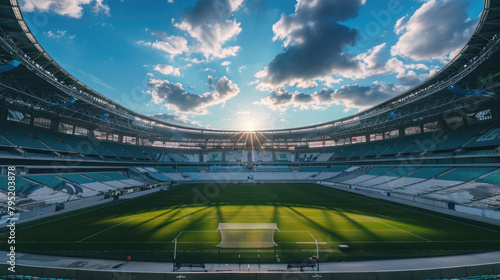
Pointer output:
x,y
145,227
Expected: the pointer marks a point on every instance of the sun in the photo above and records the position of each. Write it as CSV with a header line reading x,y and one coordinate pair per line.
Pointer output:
x,y
249,126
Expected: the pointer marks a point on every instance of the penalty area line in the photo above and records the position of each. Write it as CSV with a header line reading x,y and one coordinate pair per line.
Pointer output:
x,y
177,237
401,230
190,231
103,230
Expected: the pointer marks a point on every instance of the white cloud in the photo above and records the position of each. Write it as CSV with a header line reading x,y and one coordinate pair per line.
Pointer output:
x,y
174,97
437,28
179,119
173,45
314,42
167,70
350,96
70,8
225,63
58,34
209,23
400,25
372,63
99,7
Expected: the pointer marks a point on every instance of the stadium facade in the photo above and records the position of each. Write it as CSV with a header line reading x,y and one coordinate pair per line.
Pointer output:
x,y
437,143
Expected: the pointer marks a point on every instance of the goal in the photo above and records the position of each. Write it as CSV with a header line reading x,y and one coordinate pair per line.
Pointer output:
x,y
247,235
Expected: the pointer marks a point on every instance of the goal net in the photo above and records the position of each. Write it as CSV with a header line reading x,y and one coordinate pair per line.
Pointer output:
x,y
247,235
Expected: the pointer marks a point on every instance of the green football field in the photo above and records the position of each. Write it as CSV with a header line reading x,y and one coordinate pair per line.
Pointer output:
x,y
306,214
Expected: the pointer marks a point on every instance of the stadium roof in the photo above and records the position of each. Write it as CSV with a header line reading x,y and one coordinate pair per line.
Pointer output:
x,y
49,84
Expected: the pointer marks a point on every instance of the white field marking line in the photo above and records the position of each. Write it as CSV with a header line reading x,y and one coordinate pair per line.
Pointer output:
x,y
322,243
315,240
104,230
177,237
199,231
96,242
190,231
399,205
74,214
401,230
341,241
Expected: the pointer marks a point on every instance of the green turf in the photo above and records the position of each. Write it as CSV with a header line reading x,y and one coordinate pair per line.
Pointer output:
x,y
145,227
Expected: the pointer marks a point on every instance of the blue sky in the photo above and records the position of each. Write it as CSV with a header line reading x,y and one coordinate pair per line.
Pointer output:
x,y
251,64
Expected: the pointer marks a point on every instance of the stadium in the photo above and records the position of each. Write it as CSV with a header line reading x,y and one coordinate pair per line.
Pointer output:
x,y
406,189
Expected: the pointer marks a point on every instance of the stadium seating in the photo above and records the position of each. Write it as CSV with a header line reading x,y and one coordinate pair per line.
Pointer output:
x,y
426,186
339,168
330,172
157,154
324,157
49,139
284,176
380,170
381,146
227,168
346,151
383,180
185,169
78,143
212,157
4,142
263,156
171,173
401,171
466,193
493,178
284,157
178,157
47,180
364,149
115,149
136,152
97,177
77,178
466,146
236,156
50,196
402,144
17,135
310,157
163,169
459,137
312,168
465,173
272,168
490,138
107,149
21,185
358,180
114,175
158,177
428,172
425,142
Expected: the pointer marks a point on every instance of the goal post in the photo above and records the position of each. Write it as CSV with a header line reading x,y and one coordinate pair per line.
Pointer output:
x,y
247,235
